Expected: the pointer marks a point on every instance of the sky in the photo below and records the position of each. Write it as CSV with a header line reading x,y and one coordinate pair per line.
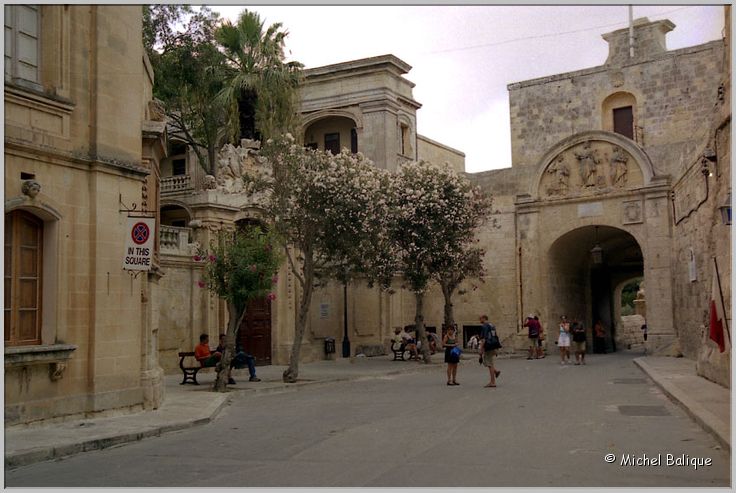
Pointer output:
x,y
463,57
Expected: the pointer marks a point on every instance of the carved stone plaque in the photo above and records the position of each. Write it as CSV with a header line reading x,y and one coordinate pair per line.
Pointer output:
x,y
591,209
632,212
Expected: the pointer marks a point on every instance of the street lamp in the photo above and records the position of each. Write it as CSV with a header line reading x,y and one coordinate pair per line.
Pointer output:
x,y
345,339
726,211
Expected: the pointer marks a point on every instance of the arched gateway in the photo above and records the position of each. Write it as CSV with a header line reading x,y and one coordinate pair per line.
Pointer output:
x,y
596,215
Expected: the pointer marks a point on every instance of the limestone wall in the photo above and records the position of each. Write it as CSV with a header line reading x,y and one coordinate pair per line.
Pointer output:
x,y
81,139
674,94
429,150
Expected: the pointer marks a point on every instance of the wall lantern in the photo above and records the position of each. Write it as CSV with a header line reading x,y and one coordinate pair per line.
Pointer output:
x,y
597,252
726,211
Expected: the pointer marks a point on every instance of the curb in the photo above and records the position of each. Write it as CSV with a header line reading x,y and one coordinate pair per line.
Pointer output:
x,y
706,419
44,454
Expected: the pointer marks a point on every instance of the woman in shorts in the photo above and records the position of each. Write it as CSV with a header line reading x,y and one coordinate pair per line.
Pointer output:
x,y
563,342
450,343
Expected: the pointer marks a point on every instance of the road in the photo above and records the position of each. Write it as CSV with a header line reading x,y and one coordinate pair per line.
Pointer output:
x,y
544,425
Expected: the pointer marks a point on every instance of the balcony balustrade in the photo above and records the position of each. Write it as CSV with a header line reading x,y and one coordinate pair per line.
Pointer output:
x,y
175,240
178,183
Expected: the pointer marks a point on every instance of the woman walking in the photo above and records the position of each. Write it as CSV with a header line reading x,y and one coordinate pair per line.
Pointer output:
x,y
564,340
449,341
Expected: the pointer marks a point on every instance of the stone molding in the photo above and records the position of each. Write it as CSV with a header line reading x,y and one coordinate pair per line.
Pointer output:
x,y
628,146
55,355
311,118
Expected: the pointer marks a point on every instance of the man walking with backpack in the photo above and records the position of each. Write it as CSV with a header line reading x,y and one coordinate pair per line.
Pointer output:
x,y
488,349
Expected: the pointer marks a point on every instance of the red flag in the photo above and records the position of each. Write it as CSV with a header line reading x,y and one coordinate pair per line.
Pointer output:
x,y
716,313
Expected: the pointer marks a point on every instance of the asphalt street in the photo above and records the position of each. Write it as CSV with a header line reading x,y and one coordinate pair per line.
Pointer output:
x,y
544,425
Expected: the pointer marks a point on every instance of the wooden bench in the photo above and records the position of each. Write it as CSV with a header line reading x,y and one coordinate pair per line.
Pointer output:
x,y
190,372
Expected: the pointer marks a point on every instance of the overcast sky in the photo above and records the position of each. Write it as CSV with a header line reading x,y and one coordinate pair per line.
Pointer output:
x,y
463,57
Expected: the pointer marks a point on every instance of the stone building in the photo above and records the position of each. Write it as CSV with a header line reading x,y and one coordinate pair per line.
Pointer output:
x,y
619,173
81,145
364,105
628,162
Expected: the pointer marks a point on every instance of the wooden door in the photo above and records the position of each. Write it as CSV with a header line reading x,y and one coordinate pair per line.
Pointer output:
x,y
254,334
23,283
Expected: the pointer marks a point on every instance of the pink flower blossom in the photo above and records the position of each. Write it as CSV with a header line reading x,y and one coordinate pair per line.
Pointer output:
x,y
271,296
201,284
212,258
253,268
197,258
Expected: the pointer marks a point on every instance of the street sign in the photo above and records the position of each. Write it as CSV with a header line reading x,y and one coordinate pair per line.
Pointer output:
x,y
139,243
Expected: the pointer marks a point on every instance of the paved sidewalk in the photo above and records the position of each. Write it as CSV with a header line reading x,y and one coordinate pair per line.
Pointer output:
x,y
185,406
706,402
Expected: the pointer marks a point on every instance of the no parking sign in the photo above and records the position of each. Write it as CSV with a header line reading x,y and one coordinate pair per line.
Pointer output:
x,y
139,243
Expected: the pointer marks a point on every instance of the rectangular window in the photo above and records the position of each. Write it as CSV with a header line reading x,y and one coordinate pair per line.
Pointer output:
x,y
22,42
332,143
179,167
23,278
623,121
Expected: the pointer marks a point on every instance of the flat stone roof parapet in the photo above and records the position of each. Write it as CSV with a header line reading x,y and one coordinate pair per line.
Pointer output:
x,y
606,68
438,144
390,62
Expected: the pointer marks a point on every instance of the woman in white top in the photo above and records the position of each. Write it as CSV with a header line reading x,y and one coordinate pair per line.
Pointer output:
x,y
564,340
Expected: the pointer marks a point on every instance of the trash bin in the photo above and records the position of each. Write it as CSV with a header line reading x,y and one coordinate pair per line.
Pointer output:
x,y
329,346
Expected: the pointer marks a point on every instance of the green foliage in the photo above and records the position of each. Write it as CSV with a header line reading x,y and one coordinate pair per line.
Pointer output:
x,y
628,293
241,265
256,54
189,73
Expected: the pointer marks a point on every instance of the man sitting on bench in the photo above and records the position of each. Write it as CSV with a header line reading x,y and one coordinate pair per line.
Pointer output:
x,y
240,360
208,359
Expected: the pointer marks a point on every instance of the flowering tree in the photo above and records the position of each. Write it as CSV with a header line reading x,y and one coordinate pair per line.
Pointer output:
x,y
434,214
241,266
322,207
466,209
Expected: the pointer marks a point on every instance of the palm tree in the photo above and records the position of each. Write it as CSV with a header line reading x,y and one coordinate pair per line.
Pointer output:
x,y
262,93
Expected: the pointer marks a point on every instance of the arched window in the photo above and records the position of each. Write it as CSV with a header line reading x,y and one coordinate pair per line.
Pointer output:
x,y
619,114
23,278
332,133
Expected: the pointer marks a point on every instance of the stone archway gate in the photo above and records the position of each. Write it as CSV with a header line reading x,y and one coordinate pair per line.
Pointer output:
x,y
597,178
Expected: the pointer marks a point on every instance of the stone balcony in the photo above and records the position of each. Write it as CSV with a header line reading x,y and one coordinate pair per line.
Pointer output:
x,y
178,183
175,240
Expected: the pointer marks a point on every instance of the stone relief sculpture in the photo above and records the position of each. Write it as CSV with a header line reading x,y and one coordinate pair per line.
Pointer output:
x,y
619,167
601,166
233,163
562,176
588,162
30,188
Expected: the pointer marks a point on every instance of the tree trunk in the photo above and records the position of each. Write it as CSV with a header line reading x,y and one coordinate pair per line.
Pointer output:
x,y
449,312
292,372
212,158
235,318
419,326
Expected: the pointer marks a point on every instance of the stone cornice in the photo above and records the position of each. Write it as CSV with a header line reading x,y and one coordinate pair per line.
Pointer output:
x,y
22,148
365,65
373,95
